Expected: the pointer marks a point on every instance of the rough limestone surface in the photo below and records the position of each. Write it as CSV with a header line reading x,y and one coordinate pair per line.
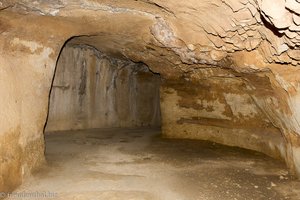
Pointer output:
x,y
229,69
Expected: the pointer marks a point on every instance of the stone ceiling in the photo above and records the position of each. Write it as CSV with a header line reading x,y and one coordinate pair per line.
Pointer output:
x,y
202,32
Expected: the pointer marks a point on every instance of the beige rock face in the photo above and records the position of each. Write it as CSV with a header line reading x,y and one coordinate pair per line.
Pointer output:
x,y
229,114
229,69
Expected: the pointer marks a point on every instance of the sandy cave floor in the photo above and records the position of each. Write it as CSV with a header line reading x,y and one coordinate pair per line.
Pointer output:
x,y
137,164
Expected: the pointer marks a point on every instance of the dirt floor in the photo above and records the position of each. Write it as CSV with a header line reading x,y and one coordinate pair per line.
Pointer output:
x,y
136,164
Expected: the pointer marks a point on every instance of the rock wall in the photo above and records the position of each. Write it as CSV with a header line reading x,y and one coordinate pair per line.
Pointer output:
x,y
92,90
220,105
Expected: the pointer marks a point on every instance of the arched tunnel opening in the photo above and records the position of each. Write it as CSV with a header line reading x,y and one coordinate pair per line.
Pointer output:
x,y
104,128
94,90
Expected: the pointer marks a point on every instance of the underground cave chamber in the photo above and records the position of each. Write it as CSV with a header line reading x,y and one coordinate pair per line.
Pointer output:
x,y
92,89
147,64
103,109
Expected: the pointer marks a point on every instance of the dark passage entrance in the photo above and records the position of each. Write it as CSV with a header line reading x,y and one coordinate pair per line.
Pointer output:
x,y
93,90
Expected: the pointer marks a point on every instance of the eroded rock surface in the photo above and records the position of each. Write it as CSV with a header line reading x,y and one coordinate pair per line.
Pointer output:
x,y
229,68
